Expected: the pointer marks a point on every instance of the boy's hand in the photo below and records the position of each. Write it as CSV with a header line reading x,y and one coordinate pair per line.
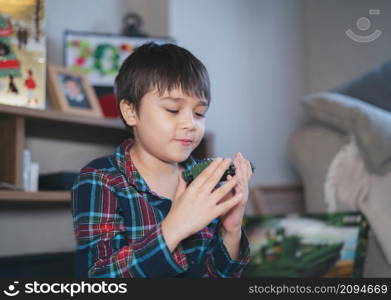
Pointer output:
x,y
232,220
195,206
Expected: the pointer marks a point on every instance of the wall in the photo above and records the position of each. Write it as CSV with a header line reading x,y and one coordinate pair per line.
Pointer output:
x,y
255,56
334,58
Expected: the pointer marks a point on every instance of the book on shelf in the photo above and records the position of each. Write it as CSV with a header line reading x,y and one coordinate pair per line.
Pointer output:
x,y
26,169
34,176
30,172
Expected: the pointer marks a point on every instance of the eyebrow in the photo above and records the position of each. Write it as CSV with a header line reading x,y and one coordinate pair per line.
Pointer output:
x,y
202,103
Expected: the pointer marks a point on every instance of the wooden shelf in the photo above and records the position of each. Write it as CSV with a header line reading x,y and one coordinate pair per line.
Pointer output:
x,y
57,116
40,196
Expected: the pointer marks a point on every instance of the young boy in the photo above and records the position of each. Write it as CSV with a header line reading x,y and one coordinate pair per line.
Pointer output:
x,y
134,215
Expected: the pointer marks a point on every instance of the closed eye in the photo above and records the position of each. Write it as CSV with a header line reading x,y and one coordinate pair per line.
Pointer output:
x,y
172,111
176,111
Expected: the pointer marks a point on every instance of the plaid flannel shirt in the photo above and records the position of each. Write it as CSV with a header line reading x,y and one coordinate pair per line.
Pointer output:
x,y
117,224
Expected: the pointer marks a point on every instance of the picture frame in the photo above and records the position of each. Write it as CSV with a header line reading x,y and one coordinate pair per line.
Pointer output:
x,y
100,55
71,92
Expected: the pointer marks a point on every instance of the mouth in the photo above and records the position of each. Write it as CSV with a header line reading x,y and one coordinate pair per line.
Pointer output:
x,y
184,142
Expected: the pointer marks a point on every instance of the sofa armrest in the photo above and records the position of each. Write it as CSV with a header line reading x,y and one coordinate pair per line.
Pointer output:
x,y
311,150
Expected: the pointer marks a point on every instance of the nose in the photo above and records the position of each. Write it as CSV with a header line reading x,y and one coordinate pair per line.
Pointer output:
x,y
188,121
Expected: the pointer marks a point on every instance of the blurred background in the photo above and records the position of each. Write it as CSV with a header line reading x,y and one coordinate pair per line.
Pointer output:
x,y
264,57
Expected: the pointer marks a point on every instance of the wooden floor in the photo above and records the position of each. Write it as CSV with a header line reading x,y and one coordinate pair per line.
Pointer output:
x,y
342,269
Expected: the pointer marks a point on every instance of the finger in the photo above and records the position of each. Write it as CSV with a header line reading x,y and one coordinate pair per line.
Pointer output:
x,y
236,157
203,177
235,188
248,169
244,164
243,167
224,189
244,177
225,206
238,172
215,177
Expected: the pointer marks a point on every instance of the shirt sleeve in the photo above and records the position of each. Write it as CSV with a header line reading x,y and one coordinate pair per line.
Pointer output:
x,y
220,264
103,243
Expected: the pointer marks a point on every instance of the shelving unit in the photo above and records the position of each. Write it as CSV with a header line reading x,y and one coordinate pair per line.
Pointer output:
x,y
41,196
56,116
17,123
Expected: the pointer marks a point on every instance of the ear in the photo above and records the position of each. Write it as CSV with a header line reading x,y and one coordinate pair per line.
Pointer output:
x,y
128,112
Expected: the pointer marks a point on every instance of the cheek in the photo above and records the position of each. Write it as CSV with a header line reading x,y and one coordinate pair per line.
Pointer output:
x,y
157,121
201,128
200,132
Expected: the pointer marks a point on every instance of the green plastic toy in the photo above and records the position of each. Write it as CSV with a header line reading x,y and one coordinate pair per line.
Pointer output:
x,y
190,175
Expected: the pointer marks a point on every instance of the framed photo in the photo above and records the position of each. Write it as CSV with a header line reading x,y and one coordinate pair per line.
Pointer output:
x,y
71,92
307,245
22,53
99,56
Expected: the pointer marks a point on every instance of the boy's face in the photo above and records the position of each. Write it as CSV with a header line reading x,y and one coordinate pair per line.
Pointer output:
x,y
169,126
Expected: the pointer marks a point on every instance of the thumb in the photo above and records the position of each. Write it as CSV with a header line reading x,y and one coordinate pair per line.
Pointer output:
x,y
182,184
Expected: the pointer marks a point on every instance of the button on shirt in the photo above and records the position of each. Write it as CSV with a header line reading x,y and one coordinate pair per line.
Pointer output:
x,y
117,224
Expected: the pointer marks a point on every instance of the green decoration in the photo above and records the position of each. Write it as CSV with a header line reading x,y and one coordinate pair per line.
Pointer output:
x,y
190,175
114,59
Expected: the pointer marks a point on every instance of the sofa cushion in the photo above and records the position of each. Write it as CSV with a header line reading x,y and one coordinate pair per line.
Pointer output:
x,y
373,87
370,125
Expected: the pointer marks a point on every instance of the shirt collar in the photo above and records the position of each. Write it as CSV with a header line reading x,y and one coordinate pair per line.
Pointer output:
x,y
128,168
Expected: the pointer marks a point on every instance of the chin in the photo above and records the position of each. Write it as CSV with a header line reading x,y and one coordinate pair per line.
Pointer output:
x,y
179,157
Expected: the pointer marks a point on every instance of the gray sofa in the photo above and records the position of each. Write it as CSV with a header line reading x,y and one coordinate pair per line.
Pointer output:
x,y
361,109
